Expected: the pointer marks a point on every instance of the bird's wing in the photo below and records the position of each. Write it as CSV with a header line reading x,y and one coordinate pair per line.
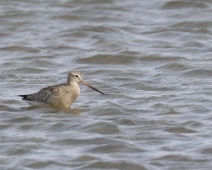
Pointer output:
x,y
44,94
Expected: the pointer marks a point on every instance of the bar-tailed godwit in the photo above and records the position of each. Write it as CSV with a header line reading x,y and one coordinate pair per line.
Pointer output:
x,y
60,96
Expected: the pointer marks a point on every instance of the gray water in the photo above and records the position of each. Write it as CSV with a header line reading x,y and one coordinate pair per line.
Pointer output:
x,y
153,59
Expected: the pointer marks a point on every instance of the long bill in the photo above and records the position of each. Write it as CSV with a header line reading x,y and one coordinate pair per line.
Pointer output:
x,y
89,85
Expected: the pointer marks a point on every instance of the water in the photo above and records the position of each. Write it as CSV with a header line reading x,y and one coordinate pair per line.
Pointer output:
x,y
151,58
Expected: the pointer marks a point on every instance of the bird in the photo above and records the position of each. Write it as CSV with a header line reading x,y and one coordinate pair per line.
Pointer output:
x,y
59,96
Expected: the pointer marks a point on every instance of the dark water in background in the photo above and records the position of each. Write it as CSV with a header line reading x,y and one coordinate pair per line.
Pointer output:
x,y
152,58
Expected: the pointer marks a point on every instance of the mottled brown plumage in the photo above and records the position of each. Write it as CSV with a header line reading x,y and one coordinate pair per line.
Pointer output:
x,y
62,95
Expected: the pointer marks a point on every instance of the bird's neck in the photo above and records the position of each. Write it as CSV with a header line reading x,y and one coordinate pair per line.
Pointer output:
x,y
72,83
74,88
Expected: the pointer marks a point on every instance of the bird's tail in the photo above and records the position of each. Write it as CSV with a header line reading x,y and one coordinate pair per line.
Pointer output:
x,y
24,97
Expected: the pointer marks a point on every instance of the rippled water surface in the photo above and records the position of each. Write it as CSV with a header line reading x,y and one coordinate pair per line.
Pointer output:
x,y
153,59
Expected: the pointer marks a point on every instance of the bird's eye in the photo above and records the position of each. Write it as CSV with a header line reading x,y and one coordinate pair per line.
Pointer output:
x,y
76,76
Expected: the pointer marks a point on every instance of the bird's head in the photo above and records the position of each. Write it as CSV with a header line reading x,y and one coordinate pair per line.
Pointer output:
x,y
76,76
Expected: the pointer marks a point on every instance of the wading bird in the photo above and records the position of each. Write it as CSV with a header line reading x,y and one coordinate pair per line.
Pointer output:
x,y
59,96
